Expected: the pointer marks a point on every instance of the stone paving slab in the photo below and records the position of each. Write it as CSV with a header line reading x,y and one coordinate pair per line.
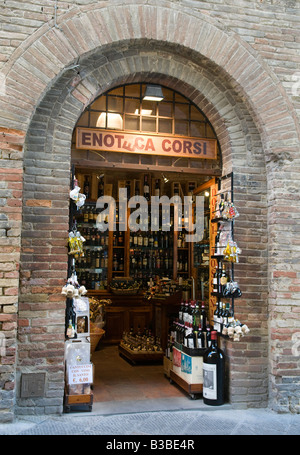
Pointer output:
x,y
206,421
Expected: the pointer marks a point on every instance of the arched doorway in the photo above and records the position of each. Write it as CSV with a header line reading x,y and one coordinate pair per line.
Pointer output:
x,y
163,132
57,138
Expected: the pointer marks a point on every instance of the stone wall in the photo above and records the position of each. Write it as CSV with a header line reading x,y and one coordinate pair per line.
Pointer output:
x,y
240,64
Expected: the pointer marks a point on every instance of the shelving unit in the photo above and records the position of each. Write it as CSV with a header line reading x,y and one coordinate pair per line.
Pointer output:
x,y
217,220
141,254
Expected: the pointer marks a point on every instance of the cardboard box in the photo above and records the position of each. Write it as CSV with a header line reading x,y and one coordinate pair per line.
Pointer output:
x,y
192,368
176,361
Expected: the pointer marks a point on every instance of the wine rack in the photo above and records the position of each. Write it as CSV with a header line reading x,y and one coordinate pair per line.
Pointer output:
x,y
142,253
224,303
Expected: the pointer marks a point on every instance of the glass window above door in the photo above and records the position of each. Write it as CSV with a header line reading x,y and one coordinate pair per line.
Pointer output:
x,y
123,108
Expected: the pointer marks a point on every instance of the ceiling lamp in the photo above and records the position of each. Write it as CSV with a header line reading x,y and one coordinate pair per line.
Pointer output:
x,y
114,121
153,93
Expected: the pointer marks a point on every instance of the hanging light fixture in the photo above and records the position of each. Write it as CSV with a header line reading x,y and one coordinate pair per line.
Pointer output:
x,y
153,93
165,179
114,121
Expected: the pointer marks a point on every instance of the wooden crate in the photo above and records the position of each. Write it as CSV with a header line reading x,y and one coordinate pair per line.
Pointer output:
x,y
136,357
78,400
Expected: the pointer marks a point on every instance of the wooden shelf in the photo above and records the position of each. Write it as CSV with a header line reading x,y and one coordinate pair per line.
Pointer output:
x,y
136,357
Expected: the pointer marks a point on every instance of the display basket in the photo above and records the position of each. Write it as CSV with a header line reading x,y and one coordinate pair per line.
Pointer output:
x,y
95,337
124,291
124,286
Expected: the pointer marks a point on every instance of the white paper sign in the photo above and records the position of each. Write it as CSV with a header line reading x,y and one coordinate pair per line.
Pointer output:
x,y
81,374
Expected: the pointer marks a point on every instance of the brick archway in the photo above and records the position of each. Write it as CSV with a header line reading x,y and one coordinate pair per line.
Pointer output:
x,y
240,96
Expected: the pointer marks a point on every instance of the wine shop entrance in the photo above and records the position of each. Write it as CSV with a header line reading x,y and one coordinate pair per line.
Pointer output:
x,y
142,267
138,280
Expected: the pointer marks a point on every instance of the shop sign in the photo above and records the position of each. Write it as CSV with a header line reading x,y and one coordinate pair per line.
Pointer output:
x,y
81,374
118,141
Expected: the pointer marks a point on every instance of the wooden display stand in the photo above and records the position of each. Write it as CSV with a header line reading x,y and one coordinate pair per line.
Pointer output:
x,y
187,369
73,401
168,364
78,387
136,357
192,389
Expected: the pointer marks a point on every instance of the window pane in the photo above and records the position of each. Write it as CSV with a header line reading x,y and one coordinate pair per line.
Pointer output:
x,y
115,104
198,129
165,126
168,94
209,131
95,119
114,121
148,124
84,120
180,99
181,127
182,111
117,91
165,109
132,122
149,107
99,104
132,90
132,106
196,114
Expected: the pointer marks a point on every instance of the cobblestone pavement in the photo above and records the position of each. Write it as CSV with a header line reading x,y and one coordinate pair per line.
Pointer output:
x,y
196,419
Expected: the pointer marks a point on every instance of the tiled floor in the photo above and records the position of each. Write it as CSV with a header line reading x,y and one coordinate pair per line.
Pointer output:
x,y
115,379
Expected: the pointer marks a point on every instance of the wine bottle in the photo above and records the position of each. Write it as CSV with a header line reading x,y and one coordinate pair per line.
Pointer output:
x,y
86,215
97,260
215,281
140,239
156,191
197,315
216,317
185,311
190,337
203,315
213,373
181,309
120,238
100,187
86,187
223,278
200,341
146,188
115,262
217,244
208,337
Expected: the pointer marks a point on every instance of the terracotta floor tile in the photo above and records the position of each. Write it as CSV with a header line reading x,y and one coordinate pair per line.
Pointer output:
x,y
115,379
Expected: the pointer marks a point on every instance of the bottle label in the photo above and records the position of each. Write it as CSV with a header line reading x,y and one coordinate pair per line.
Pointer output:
x,y
190,342
209,381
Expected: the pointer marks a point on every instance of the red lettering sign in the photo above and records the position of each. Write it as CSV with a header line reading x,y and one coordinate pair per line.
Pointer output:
x,y
108,140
